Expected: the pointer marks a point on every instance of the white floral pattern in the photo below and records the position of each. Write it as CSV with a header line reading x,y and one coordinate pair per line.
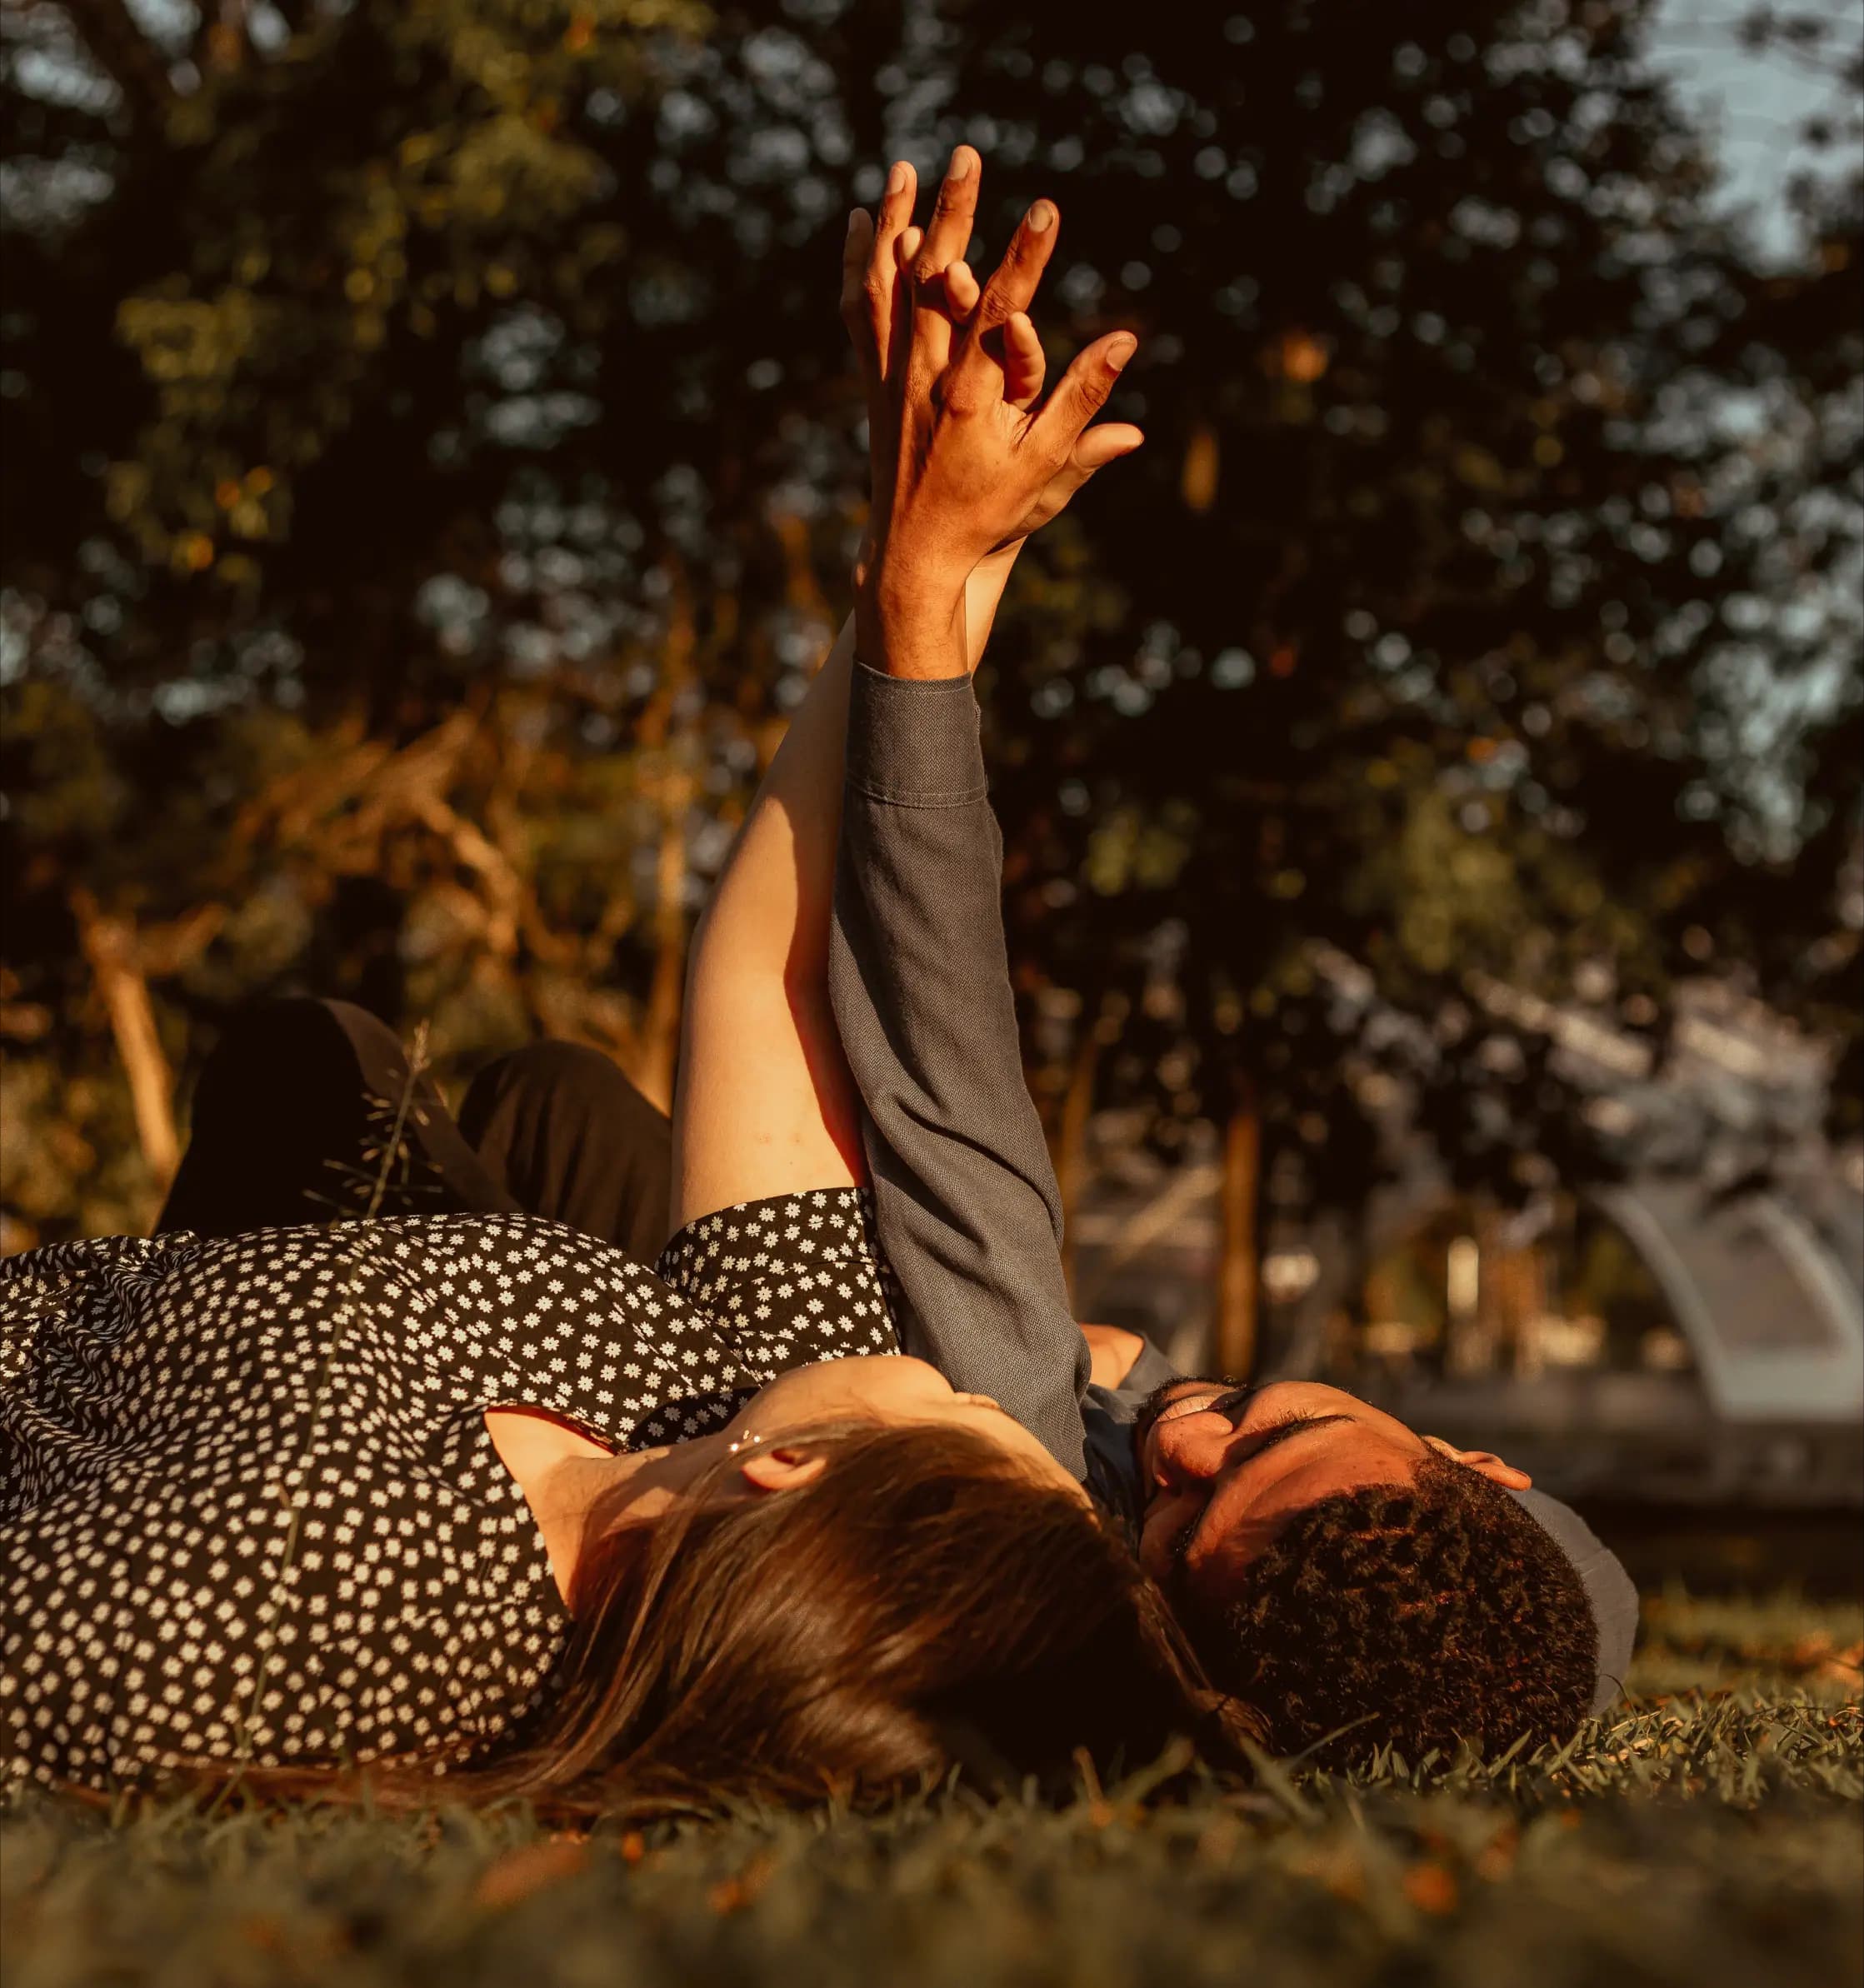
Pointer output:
x,y
249,1505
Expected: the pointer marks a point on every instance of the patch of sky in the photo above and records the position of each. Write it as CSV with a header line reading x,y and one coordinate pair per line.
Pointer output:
x,y
1757,102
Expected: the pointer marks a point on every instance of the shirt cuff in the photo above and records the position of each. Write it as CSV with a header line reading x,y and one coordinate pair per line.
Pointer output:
x,y
914,741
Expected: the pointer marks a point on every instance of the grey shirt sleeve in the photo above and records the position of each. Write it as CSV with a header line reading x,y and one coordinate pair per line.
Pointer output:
x,y
969,1213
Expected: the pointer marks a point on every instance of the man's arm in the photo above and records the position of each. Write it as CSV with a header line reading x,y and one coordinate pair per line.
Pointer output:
x,y
969,1212
968,1207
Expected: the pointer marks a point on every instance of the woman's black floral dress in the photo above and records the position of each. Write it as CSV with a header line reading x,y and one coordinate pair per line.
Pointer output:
x,y
249,1510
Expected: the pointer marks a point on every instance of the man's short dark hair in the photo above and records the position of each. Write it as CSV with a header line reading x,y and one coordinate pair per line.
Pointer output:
x,y
1419,1614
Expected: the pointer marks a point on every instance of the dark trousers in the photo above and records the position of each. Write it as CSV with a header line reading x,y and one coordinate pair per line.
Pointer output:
x,y
306,1112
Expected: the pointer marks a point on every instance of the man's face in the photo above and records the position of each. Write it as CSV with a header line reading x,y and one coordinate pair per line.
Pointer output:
x,y
1223,1468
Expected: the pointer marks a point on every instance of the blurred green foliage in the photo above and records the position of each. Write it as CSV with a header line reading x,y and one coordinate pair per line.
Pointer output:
x,y
430,469
1705,1839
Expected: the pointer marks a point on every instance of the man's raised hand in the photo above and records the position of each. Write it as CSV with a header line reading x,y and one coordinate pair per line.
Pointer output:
x,y
959,447
1025,365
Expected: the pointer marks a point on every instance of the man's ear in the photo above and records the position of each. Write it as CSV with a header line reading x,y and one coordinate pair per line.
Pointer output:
x,y
781,1467
1485,1463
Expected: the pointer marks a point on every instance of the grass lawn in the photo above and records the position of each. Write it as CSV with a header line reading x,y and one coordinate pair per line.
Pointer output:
x,y
1712,1833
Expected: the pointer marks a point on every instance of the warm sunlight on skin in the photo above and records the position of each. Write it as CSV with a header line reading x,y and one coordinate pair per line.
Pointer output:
x,y
891,1388
562,1470
1225,1468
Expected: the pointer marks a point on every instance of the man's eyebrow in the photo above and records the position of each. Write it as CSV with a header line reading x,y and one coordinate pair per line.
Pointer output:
x,y
1281,1432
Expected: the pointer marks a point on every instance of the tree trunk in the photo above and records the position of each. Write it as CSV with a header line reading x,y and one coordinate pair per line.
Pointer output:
x,y
1071,1144
660,1023
672,784
109,946
1237,1297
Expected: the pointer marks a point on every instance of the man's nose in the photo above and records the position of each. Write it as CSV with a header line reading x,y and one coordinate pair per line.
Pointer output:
x,y
1192,1450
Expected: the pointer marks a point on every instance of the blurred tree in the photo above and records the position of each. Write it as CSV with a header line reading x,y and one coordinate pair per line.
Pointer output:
x,y
1802,347
368,445
1482,612
429,466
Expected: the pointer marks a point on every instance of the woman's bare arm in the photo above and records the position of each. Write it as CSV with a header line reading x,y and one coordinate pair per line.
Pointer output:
x,y
765,1105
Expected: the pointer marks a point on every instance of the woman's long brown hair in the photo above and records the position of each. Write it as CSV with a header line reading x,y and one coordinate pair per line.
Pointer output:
x,y
920,1604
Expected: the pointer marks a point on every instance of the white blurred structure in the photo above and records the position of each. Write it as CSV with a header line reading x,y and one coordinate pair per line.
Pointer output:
x,y
1732,1371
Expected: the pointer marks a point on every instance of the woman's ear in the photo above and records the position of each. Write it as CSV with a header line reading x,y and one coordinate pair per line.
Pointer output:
x,y
1485,1463
781,1467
